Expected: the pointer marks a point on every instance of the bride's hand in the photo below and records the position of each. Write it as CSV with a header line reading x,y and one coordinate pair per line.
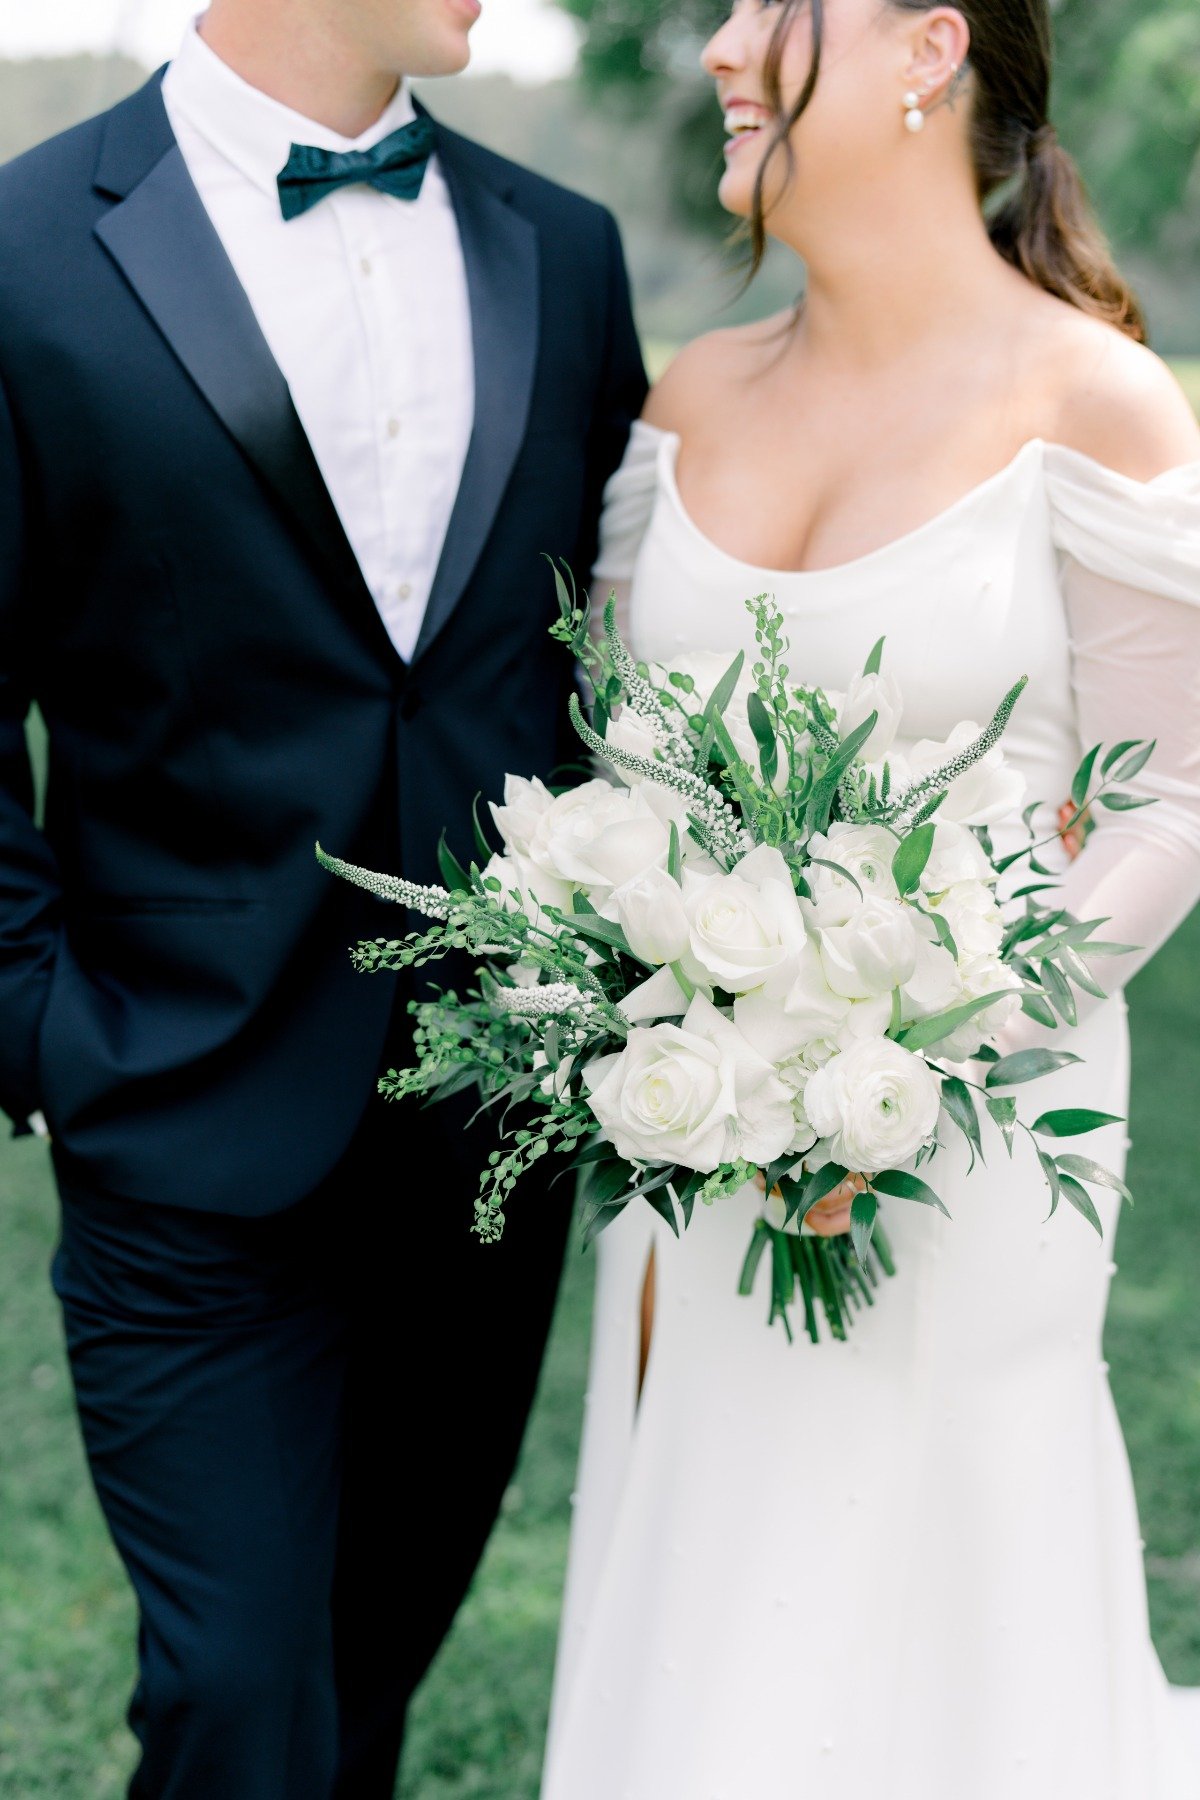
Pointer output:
x,y
830,1217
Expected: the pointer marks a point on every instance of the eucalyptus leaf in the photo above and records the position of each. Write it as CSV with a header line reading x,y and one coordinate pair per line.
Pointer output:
x,y
1073,1121
599,1218
903,1186
763,727
874,662
674,854
1083,777
1053,1179
1126,802
1084,1169
1028,1065
864,1210
1074,965
908,864
924,1032
1058,989
1134,764
1003,1110
1112,757
452,871
959,1103
1081,1200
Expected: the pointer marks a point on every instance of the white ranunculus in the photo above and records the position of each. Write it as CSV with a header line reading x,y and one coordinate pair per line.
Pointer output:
x,y
741,925
524,804
972,912
525,888
865,852
990,791
650,911
875,1103
658,997
697,1094
793,1009
872,694
982,975
872,953
957,855
598,837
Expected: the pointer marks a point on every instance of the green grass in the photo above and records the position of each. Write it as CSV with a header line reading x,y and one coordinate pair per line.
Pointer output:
x,y
66,1624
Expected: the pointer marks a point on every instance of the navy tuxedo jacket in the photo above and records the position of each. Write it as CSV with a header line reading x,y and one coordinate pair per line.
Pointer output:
x,y
178,596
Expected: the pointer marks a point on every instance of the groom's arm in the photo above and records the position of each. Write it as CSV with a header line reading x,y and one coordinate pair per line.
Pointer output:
x,y
29,884
622,394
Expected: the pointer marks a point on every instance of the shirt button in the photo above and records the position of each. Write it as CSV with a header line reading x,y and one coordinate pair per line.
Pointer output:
x,y
404,591
365,265
393,428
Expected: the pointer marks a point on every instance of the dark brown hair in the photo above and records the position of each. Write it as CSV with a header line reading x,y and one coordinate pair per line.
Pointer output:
x,y
1045,226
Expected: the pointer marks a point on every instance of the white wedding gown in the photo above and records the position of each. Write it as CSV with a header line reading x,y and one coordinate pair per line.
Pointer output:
x,y
909,1565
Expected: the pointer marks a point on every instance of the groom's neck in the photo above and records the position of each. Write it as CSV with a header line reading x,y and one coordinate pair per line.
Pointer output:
x,y
296,55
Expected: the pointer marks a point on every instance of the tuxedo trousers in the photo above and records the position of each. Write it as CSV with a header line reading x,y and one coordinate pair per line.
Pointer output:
x,y
300,1428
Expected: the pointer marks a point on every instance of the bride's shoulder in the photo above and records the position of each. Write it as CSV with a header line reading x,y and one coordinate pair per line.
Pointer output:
x,y
693,391
1116,401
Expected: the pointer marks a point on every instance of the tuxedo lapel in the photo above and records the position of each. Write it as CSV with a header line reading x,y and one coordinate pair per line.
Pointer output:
x,y
500,250
162,239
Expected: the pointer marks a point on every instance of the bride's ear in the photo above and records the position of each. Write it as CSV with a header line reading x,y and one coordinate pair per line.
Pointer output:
x,y
939,45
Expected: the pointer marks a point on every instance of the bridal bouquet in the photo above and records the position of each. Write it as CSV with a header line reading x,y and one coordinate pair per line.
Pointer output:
x,y
769,946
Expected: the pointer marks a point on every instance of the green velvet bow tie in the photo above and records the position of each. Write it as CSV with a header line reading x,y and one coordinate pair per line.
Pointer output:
x,y
396,166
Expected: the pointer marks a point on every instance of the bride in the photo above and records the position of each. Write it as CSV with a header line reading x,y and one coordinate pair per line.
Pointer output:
x,y
909,1565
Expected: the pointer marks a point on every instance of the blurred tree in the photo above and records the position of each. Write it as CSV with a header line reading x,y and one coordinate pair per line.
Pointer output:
x,y
1127,100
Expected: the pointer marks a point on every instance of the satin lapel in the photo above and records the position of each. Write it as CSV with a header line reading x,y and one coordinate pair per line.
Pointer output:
x,y
500,250
162,239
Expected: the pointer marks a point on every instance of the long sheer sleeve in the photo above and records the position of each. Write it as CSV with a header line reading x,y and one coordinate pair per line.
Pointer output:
x,y
628,505
1131,581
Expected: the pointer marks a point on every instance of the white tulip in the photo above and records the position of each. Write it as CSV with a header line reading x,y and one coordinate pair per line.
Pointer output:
x,y
865,852
630,732
872,953
935,983
650,911
872,694
876,1104
524,804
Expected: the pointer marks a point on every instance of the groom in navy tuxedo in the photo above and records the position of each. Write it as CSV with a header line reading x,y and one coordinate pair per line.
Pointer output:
x,y
295,388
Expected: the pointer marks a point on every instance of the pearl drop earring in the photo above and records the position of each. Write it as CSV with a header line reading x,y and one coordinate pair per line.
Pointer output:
x,y
914,118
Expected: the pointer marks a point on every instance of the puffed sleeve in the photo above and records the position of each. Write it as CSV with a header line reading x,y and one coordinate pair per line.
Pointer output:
x,y
628,505
1130,560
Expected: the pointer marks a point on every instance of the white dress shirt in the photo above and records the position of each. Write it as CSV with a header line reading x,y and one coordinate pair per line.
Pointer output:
x,y
363,302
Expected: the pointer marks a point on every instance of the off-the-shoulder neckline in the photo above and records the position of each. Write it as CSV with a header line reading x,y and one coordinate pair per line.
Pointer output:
x,y
668,448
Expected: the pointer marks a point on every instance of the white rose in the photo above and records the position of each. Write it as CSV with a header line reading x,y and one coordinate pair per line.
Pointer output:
x,y
650,911
695,1094
598,837
872,694
973,914
742,925
872,953
875,1104
982,975
658,997
957,855
865,852
524,804
989,791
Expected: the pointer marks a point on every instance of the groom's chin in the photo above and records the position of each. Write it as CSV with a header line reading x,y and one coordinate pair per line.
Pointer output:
x,y
446,49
